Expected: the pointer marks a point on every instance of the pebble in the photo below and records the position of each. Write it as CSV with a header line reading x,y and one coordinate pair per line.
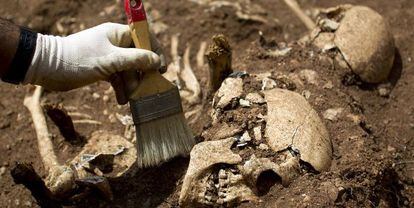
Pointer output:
x,y
244,103
384,92
329,25
306,198
328,85
263,146
245,137
268,84
255,98
391,149
112,118
96,96
333,114
105,98
278,53
355,118
310,76
307,94
258,133
2,171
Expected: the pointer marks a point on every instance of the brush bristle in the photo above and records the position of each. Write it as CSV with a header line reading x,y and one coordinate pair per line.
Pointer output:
x,y
162,139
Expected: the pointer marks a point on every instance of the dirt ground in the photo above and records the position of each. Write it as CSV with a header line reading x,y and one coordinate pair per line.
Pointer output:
x,y
373,158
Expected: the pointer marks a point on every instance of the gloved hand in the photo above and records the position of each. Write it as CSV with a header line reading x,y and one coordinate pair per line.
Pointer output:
x,y
65,63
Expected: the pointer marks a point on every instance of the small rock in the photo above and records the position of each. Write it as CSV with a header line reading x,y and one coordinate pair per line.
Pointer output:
x,y
245,137
310,76
28,204
306,198
278,52
268,84
124,119
105,98
261,118
328,25
307,94
391,149
2,171
255,98
333,114
96,96
384,91
112,118
328,85
258,133
355,118
263,146
244,103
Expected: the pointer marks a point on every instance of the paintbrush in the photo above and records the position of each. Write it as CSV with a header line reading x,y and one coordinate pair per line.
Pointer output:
x,y
161,128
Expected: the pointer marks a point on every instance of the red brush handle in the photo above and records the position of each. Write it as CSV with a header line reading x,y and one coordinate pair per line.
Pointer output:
x,y
135,11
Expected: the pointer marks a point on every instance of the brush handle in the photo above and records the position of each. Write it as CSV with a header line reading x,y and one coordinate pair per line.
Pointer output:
x,y
152,82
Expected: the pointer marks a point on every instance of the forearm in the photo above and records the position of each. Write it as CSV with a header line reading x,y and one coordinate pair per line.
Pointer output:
x,y
9,41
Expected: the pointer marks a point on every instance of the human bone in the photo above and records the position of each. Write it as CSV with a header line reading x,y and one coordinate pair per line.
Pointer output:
x,y
231,89
219,176
293,123
106,155
363,38
199,186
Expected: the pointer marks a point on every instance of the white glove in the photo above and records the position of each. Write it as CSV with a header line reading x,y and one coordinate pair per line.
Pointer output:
x,y
89,56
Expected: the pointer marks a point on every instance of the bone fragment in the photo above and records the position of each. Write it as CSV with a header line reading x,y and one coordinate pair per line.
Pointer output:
x,y
43,137
200,54
295,7
219,56
190,80
60,178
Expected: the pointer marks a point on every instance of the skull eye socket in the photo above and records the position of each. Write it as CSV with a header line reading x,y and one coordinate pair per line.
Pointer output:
x,y
266,180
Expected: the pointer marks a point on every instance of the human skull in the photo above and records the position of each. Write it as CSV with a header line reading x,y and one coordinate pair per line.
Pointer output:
x,y
221,173
363,38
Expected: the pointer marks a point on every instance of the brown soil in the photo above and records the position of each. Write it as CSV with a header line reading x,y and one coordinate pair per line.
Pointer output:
x,y
373,157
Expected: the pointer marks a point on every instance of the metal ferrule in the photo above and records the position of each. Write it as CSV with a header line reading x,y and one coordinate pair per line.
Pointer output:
x,y
156,106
